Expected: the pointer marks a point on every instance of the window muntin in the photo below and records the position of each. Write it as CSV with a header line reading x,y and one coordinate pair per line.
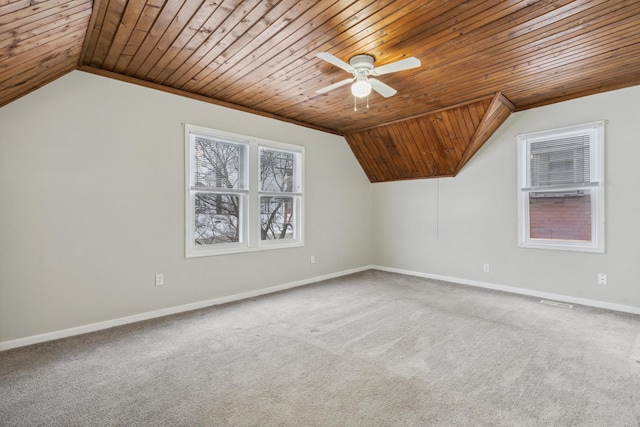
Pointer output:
x,y
242,193
561,197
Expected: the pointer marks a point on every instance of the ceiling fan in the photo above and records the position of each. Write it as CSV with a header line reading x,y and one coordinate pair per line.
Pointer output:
x,y
361,66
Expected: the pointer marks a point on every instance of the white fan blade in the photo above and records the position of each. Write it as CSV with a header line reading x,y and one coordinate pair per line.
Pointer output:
x,y
335,61
403,64
335,85
382,88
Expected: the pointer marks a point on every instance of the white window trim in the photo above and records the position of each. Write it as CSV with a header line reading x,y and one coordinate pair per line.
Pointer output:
x,y
249,215
597,243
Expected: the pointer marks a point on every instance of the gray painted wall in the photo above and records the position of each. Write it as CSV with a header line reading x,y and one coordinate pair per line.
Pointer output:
x,y
450,227
92,207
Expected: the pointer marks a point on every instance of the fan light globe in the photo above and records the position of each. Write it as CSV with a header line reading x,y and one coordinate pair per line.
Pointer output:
x,y
361,88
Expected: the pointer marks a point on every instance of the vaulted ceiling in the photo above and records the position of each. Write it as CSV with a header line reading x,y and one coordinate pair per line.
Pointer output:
x,y
481,60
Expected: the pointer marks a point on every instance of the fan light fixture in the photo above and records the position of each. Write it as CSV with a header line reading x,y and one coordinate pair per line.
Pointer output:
x,y
361,88
363,71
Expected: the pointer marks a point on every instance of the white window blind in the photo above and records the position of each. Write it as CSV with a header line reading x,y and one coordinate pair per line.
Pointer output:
x,y
560,161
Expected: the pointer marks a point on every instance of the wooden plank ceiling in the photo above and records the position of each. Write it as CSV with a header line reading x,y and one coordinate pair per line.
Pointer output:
x,y
481,59
442,142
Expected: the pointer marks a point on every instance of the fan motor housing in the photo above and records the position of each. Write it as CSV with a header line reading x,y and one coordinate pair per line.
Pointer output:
x,y
362,62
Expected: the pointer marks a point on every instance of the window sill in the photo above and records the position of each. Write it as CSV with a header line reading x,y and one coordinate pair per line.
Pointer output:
x,y
562,246
244,249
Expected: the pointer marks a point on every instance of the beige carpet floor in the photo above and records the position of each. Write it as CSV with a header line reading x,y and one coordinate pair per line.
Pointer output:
x,y
370,349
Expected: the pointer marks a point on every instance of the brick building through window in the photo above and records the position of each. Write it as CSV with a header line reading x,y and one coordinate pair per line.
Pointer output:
x,y
564,217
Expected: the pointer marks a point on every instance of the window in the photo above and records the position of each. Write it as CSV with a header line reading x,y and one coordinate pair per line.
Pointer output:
x,y
561,188
242,193
280,194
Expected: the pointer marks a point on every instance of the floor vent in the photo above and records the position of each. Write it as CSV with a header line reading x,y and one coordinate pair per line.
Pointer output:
x,y
556,303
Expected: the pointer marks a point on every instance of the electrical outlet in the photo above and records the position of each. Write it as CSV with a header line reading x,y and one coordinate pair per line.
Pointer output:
x,y
485,268
159,279
602,279
312,259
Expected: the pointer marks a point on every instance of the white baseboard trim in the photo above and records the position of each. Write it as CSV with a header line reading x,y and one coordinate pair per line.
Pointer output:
x,y
513,290
93,327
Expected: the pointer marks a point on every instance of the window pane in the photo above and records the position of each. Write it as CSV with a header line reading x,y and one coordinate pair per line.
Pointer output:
x,y
277,216
218,164
560,161
278,171
560,215
217,218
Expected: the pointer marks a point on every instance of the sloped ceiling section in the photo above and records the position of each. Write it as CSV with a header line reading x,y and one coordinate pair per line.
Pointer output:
x,y
39,42
260,57
436,144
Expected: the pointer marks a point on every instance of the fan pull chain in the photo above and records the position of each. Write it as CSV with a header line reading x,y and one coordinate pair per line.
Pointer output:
x,y
355,103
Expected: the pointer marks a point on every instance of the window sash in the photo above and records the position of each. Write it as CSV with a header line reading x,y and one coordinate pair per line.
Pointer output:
x,y
282,223
217,163
285,161
208,227
558,230
279,180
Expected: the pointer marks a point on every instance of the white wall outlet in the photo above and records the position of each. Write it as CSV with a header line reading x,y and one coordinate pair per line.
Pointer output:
x,y
485,268
159,279
602,279
312,259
